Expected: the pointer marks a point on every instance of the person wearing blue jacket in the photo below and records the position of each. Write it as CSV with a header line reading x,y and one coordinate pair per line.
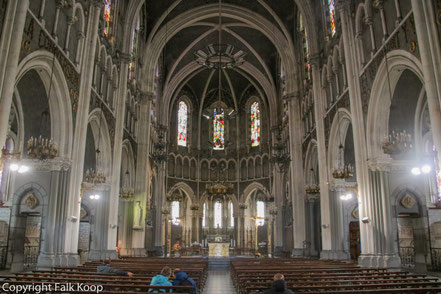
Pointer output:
x,y
182,279
161,280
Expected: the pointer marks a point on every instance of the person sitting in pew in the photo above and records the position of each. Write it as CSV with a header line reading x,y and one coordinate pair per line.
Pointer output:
x,y
162,280
106,268
180,278
278,286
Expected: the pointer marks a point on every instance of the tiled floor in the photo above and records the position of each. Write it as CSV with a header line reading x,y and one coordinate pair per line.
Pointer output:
x,y
219,282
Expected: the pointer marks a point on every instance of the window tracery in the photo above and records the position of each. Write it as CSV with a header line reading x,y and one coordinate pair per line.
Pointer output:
x,y
255,124
218,214
182,124
218,130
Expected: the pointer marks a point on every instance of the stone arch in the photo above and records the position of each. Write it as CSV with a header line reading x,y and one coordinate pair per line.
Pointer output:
x,y
128,163
339,127
186,189
59,98
379,108
97,120
311,162
252,188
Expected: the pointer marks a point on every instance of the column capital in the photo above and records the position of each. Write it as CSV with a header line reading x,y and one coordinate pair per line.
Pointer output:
x,y
314,59
124,57
291,96
146,96
342,4
98,3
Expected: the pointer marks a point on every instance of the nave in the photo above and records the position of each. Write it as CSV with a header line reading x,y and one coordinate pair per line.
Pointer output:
x,y
239,275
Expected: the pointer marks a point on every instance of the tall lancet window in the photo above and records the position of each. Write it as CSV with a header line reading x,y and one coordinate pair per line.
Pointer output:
x,y
260,209
255,124
182,124
134,50
107,16
218,130
175,212
331,4
204,215
231,214
218,214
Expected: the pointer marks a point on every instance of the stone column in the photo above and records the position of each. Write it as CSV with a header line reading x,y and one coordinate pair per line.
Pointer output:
x,y
319,113
159,202
10,45
277,191
296,173
370,235
117,153
59,177
241,240
98,244
430,50
70,228
141,179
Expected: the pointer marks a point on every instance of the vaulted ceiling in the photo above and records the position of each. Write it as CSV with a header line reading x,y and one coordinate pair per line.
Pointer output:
x,y
262,55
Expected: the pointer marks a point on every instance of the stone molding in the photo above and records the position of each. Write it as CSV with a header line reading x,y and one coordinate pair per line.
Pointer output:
x,y
56,164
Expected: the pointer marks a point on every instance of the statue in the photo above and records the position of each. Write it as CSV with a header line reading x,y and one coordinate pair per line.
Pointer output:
x,y
138,215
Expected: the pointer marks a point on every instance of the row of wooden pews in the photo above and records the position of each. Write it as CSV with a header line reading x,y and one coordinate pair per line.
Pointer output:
x,y
144,269
253,276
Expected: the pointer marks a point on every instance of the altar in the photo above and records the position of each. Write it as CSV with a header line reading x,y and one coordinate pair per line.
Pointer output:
x,y
218,249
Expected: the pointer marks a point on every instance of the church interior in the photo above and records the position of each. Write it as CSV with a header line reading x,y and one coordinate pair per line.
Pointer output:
x,y
288,131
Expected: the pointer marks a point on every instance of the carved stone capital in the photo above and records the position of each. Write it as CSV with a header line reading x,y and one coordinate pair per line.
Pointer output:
x,y
342,4
380,163
56,164
124,57
339,185
145,96
291,96
314,59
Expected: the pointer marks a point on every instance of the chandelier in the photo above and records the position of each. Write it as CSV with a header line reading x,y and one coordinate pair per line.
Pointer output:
x,y
343,171
219,56
219,188
397,142
313,188
41,148
126,192
93,177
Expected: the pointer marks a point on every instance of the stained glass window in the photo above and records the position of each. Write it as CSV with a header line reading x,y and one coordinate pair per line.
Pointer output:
x,y
218,130
107,9
218,215
331,4
133,50
182,123
255,124
175,212
231,214
260,213
204,215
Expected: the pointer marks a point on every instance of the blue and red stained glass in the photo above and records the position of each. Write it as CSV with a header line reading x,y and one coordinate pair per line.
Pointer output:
x,y
182,124
255,124
107,9
218,130
331,4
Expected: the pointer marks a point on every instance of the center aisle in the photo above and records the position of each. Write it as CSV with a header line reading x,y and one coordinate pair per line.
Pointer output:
x,y
219,282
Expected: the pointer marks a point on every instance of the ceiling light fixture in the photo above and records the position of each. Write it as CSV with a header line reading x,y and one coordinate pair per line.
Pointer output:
x,y
220,56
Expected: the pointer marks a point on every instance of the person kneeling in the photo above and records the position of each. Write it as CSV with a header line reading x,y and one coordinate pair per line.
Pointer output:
x,y
182,279
278,286
161,280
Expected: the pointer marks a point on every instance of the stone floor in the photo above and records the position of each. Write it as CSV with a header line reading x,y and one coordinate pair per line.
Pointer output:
x,y
219,282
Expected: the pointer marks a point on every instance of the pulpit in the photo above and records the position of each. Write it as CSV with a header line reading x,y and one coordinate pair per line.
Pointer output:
x,y
218,249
